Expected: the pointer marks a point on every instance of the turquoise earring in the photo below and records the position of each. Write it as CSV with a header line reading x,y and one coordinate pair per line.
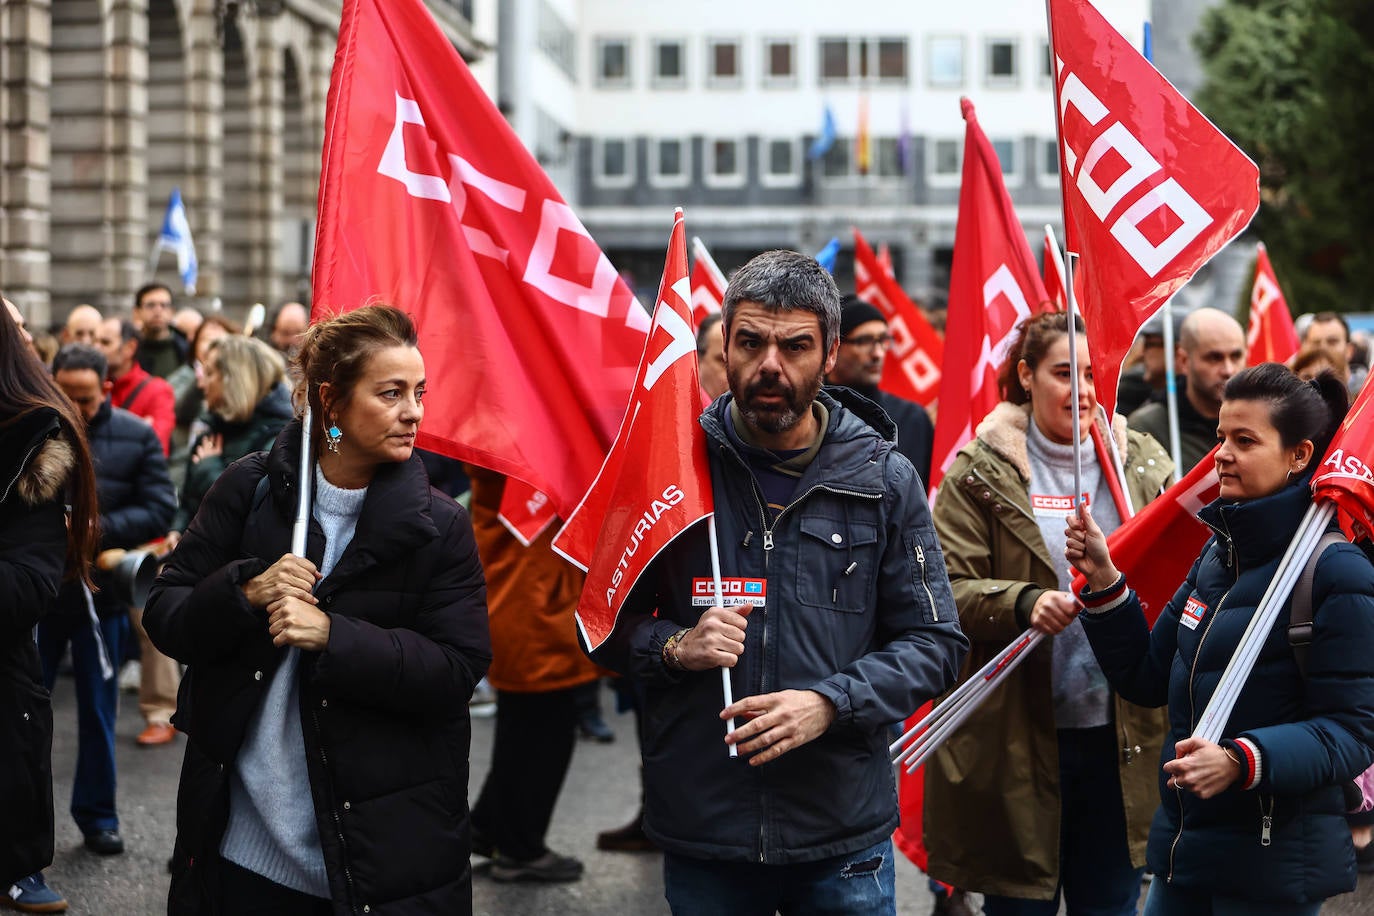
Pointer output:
x,y
332,437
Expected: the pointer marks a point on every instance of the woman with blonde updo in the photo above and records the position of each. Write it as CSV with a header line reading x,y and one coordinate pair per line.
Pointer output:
x,y
327,762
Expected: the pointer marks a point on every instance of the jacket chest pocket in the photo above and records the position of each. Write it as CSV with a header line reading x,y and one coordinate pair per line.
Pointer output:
x,y
836,563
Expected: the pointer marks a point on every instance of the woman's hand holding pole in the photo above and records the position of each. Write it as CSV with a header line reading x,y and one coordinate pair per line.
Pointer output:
x,y
1085,547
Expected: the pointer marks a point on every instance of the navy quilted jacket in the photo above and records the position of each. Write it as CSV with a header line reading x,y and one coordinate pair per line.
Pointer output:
x,y
1314,732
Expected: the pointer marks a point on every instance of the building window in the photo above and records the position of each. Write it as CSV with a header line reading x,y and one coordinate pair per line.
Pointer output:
x,y
1006,155
670,63
613,166
557,41
1046,64
1000,62
1049,162
670,162
945,61
837,161
835,63
779,61
781,161
891,60
723,63
946,160
613,62
725,162
844,60
887,158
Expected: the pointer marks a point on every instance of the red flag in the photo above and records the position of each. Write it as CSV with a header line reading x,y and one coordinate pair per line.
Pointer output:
x,y
994,285
1344,476
1271,337
1157,547
708,283
1152,190
1055,284
912,368
429,201
910,836
656,481
885,260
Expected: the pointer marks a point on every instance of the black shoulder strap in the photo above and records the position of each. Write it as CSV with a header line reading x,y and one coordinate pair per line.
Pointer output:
x,y
133,395
1300,608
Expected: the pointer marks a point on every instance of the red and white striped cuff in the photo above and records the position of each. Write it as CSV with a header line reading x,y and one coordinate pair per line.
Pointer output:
x,y
1110,597
1252,761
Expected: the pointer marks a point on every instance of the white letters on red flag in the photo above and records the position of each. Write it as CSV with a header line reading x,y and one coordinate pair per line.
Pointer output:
x,y
912,367
1344,476
656,481
430,202
1152,190
994,285
1271,337
1157,546
708,283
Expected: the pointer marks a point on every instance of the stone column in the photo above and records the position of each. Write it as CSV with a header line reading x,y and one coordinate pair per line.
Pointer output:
x,y
126,163
268,153
203,189
25,153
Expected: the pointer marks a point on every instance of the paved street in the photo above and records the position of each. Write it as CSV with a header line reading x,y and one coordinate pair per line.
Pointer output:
x,y
601,792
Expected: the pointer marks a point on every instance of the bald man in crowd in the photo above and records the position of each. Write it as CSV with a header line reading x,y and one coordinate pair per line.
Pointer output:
x,y
83,325
287,325
1210,349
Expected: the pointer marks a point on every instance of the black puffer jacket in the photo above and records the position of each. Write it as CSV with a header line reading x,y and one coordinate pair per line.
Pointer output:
x,y
35,462
135,496
383,708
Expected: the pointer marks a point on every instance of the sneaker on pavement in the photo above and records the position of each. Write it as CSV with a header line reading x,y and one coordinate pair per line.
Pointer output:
x,y
32,895
594,728
548,867
105,842
131,676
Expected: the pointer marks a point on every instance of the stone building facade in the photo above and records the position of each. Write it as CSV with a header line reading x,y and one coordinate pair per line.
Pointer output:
x,y
107,105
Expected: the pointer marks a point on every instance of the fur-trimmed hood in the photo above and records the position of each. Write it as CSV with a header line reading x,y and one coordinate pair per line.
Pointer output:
x,y
36,459
1004,431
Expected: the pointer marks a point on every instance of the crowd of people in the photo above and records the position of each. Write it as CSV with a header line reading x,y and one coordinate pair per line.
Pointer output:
x,y
323,690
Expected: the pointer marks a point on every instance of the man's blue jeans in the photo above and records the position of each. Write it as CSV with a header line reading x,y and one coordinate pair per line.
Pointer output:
x,y
97,699
862,883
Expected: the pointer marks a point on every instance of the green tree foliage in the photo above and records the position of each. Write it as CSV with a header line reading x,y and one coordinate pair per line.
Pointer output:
x,y
1292,82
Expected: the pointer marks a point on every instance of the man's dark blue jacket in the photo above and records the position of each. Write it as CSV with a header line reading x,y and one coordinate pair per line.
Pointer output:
x,y
858,609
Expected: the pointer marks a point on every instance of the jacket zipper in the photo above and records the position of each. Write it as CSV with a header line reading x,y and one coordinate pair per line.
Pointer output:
x,y
921,559
334,811
1266,821
1192,700
768,549
22,466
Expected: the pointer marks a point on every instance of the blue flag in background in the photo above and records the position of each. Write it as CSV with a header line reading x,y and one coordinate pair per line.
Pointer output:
x,y
826,256
822,144
176,237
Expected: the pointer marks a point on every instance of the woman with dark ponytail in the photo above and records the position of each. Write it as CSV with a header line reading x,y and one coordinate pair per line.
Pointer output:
x,y
1255,824
45,467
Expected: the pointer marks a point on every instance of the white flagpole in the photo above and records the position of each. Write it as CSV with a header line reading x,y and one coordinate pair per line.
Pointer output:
x,y
700,252
306,481
1069,261
1212,724
720,602
1171,390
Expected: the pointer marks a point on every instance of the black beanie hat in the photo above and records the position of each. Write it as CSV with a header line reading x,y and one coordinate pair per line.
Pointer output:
x,y
854,312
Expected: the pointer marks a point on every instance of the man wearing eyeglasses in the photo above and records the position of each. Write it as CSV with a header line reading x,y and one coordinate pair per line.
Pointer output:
x,y
864,342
